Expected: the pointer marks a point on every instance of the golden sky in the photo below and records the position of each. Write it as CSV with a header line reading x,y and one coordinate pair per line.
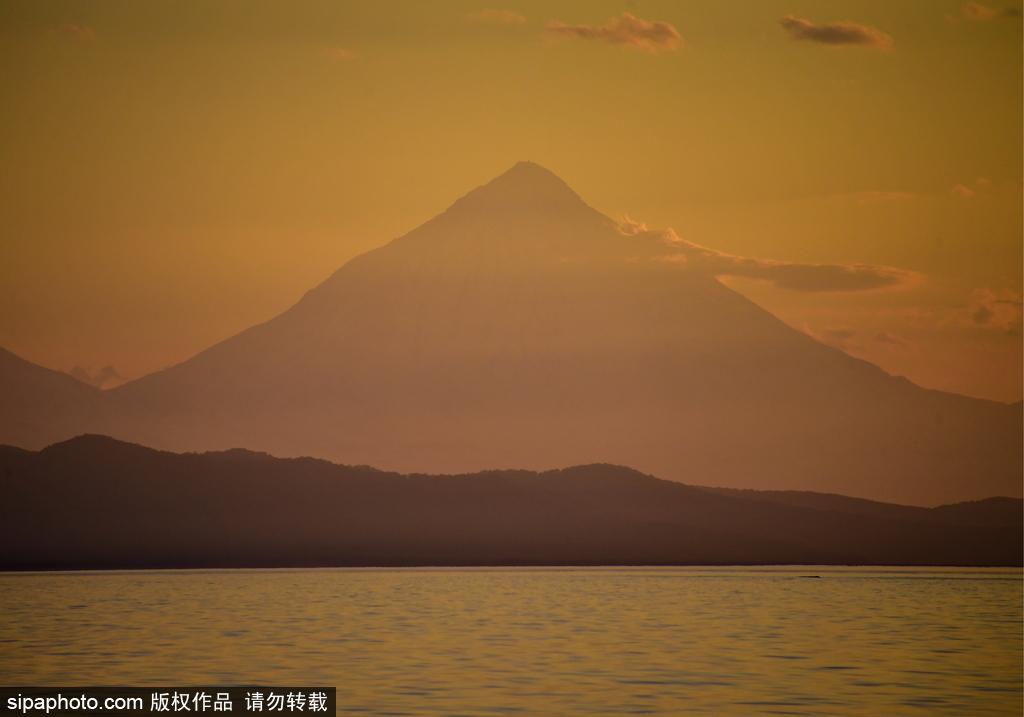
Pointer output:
x,y
174,172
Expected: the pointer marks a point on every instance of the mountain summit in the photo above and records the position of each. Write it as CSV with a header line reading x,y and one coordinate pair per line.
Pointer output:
x,y
526,187
522,328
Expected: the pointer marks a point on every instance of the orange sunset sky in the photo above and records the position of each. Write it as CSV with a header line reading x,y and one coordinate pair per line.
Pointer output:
x,y
174,172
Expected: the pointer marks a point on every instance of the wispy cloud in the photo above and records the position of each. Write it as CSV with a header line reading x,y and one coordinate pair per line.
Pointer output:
x,y
338,54
976,12
1000,310
841,337
497,17
878,197
667,246
967,190
853,341
795,275
835,33
631,227
78,31
890,339
629,30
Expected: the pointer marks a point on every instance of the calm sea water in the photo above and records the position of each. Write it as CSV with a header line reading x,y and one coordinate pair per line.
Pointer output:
x,y
539,641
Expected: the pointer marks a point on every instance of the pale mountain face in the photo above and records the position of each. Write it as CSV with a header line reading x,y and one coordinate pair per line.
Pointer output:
x,y
523,328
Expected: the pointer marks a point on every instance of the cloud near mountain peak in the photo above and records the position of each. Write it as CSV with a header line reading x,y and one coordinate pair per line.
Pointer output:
x,y
795,276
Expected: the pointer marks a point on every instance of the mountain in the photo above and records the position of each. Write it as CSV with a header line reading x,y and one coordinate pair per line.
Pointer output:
x,y
39,406
521,327
989,511
93,502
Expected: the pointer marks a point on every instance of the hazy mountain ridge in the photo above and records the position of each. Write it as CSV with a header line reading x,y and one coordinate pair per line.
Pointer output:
x,y
997,510
39,405
521,327
93,502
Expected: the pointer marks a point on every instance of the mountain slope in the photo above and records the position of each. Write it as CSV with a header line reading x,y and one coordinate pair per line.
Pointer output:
x,y
521,328
93,502
39,406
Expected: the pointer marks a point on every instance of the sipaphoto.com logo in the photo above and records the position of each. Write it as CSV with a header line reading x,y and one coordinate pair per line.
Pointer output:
x,y
145,701
60,702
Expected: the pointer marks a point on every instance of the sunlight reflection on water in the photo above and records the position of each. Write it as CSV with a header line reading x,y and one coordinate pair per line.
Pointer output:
x,y
587,641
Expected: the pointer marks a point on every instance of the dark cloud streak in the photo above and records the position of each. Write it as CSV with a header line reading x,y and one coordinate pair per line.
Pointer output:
x,y
835,33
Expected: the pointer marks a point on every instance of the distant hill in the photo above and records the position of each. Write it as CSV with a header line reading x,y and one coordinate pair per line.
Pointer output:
x,y
93,502
520,327
988,511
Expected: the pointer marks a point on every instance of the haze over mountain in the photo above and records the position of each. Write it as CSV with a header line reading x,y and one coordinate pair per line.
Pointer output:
x,y
93,502
522,328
